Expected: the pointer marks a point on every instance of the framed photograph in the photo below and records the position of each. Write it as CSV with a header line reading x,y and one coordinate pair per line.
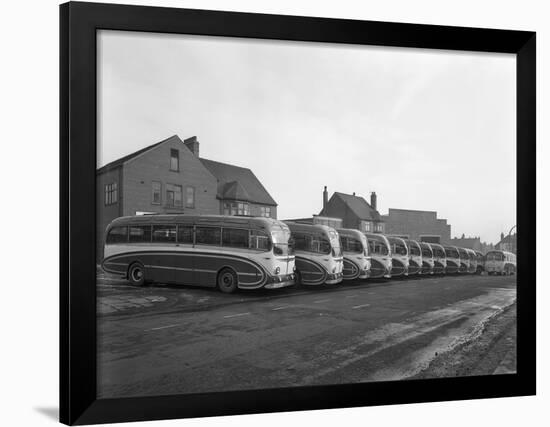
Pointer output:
x,y
265,213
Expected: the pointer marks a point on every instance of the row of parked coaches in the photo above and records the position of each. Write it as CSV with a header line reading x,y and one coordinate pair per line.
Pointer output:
x,y
251,252
374,255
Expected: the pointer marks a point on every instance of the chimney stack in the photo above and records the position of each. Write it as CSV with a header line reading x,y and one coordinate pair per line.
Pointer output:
x,y
325,197
193,144
373,200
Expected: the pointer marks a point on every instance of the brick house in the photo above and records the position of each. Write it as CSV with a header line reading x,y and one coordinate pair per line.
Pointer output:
x,y
170,177
354,211
507,243
423,226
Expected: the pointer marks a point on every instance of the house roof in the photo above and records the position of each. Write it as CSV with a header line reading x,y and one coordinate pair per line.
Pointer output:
x,y
235,191
122,160
358,206
238,183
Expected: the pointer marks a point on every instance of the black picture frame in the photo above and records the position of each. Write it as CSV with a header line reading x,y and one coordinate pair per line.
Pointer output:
x,y
78,25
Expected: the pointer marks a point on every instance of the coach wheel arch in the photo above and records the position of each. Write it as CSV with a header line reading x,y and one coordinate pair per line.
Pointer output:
x,y
227,280
136,274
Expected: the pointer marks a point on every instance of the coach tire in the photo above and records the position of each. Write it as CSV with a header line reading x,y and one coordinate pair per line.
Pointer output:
x,y
136,274
227,281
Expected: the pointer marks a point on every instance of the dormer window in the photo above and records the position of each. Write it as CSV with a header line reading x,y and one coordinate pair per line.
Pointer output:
x,y
174,160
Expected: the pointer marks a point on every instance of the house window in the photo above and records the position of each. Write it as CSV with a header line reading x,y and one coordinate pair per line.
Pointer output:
x,y
242,209
236,208
265,211
156,188
190,197
366,226
111,194
174,195
174,160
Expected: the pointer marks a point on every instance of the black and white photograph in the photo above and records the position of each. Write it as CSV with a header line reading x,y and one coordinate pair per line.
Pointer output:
x,y
292,213
282,214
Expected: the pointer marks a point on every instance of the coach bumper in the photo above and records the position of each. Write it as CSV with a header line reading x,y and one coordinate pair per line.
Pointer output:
x,y
275,282
334,278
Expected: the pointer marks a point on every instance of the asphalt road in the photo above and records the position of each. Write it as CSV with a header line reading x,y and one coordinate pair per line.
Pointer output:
x,y
164,340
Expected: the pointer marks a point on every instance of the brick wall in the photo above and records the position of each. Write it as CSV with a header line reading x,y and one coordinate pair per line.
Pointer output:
x,y
105,214
154,165
416,223
336,208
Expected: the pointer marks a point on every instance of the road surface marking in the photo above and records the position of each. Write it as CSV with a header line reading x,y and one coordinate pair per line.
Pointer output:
x,y
236,315
164,327
351,296
282,307
360,306
320,301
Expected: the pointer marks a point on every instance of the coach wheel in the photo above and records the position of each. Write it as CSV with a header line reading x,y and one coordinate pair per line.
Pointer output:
x,y
227,281
136,274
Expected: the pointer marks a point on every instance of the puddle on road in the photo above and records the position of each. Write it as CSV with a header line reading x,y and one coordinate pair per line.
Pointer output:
x,y
450,326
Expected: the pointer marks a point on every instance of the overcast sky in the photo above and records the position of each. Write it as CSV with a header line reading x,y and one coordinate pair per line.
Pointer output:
x,y
425,129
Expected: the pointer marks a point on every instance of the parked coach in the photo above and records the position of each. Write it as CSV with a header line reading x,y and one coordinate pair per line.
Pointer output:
x,y
464,260
380,256
428,261
500,262
440,258
319,257
472,266
227,252
400,256
415,257
480,263
453,259
356,254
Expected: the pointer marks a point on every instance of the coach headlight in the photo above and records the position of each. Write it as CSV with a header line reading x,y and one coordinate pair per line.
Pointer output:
x,y
277,270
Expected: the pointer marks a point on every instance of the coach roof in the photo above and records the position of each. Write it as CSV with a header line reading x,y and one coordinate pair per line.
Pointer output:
x,y
214,220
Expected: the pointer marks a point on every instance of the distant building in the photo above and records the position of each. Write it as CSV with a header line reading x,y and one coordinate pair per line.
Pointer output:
x,y
354,211
320,220
507,243
170,177
423,226
467,242
474,243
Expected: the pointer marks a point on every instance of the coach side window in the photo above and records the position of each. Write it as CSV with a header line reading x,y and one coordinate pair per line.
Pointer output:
x,y
118,235
139,234
235,238
302,242
185,234
208,236
164,234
